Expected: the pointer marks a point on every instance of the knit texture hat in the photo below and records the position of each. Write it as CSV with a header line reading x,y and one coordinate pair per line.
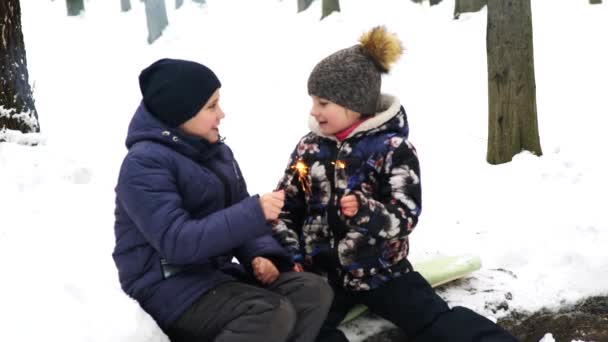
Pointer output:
x,y
175,90
351,77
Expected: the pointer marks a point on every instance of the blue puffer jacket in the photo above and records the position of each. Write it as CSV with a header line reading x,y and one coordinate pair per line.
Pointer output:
x,y
178,224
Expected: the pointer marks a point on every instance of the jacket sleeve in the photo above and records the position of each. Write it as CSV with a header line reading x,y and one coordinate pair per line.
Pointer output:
x,y
288,228
395,211
265,245
148,191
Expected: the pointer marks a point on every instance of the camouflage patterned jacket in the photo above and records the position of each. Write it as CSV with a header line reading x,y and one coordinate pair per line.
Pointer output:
x,y
378,165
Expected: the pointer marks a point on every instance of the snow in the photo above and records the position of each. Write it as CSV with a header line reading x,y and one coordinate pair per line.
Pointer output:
x,y
538,223
548,338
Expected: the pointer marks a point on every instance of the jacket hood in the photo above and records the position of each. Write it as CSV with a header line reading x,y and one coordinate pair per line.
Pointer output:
x,y
145,127
391,117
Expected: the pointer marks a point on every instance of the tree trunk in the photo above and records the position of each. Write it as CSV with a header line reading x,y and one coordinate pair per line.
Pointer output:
x,y
594,2
156,18
513,124
178,3
468,6
435,2
125,5
303,5
75,7
330,6
17,109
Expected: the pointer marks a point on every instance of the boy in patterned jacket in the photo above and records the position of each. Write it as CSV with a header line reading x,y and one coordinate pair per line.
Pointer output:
x,y
353,195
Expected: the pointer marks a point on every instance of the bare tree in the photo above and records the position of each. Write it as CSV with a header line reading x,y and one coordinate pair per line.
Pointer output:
x,y
513,123
125,5
303,5
467,6
75,7
330,6
17,109
156,18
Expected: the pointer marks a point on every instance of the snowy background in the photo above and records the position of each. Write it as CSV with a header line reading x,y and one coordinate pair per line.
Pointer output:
x,y
538,224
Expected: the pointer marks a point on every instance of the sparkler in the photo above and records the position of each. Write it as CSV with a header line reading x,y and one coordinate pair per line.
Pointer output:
x,y
340,164
302,170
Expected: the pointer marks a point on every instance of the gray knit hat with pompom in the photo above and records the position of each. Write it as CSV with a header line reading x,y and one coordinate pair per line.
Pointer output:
x,y
351,77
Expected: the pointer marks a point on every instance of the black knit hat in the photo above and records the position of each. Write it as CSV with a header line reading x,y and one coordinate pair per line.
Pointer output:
x,y
175,90
351,77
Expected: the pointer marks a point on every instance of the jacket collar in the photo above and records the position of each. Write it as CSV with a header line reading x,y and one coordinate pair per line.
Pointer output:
x,y
145,127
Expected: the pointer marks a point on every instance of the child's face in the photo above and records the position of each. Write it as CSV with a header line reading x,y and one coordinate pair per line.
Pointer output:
x,y
332,118
205,123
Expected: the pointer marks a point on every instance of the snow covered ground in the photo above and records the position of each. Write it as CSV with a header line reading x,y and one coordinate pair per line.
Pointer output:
x,y
538,223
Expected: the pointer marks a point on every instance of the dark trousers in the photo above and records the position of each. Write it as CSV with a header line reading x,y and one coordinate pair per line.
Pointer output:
x,y
410,303
292,308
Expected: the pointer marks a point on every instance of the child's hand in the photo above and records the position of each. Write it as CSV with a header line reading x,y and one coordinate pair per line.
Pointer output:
x,y
264,270
271,204
297,267
349,205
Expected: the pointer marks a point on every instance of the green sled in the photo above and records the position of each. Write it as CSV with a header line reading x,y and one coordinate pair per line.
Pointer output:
x,y
437,271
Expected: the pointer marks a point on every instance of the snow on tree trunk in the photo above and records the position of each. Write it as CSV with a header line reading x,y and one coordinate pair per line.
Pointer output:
x,y
468,6
75,7
125,5
330,6
513,124
303,5
17,109
156,18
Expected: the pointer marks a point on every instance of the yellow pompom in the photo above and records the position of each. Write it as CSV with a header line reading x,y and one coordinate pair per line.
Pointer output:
x,y
381,46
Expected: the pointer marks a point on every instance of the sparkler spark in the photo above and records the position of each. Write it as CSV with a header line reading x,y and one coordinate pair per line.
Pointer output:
x,y
302,170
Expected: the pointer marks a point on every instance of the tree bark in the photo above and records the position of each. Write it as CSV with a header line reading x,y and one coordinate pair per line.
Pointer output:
x,y
330,6
75,7
468,6
156,18
303,5
125,5
17,109
513,123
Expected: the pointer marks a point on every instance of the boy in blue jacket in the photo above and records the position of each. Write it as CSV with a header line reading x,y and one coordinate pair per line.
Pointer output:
x,y
183,213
